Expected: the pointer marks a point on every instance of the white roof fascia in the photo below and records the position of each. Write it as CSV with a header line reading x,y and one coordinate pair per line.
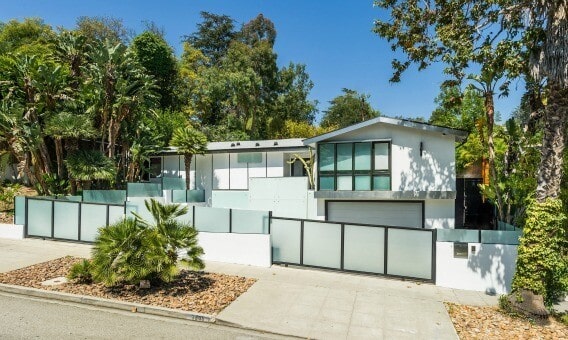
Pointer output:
x,y
459,134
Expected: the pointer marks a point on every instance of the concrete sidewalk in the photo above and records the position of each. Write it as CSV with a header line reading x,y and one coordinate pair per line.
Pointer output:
x,y
305,302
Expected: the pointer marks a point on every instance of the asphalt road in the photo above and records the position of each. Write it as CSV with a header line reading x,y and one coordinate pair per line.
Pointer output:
x,y
30,318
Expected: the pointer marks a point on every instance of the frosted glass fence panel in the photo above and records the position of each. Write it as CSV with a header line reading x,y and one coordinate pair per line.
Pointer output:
x,y
364,249
20,210
179,196
105,196
322,244
39,218
500,237
409,253
186,218
230,199
144,190
70,198
214,220
249,221
457,235
173,183
195,196
115,213
66,220
93,216
285,237
183,196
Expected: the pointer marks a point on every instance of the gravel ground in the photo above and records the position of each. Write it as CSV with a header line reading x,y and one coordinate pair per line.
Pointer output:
x,y
489,323
200,292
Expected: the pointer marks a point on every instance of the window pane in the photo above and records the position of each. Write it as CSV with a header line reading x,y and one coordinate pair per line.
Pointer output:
x,y
345,156
344,182
363,156
362,182
326,183
381,183
326,157
381,156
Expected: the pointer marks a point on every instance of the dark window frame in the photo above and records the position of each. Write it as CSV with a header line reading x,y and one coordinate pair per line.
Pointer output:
x,y
372,173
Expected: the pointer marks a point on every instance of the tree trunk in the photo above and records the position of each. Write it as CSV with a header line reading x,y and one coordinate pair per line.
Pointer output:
x,y
553,139
490,116
59,156
187,162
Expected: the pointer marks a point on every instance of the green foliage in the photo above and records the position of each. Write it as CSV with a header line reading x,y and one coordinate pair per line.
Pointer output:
x,y
157,57
189,140
31,35
542,261
134,249
103,28
55,186
7,193
213,36
90,165
348,109
80,272
302,129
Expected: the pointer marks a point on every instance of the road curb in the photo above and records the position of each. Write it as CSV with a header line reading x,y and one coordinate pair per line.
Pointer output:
x,y
106,303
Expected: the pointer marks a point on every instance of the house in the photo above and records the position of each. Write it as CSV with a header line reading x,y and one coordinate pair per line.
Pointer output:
x,y
383,171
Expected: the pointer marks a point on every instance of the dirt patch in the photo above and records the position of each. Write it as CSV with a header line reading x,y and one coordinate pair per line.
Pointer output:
x,y
490,323
200,292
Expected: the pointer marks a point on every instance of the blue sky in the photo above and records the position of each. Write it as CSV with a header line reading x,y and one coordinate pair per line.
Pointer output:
x,y
333,38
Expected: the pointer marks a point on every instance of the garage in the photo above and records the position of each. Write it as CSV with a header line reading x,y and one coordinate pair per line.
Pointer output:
x,y
408,214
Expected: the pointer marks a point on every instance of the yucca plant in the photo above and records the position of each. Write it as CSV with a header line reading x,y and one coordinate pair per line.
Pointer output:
x,y
133,250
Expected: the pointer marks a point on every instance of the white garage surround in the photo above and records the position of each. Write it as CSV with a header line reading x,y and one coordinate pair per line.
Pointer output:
x,y
389,213
12,231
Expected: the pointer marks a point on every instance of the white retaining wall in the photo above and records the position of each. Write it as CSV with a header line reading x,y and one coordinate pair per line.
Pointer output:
x,y
489,269
12,231
247,249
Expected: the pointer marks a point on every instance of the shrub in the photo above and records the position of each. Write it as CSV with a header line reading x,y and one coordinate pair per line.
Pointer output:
x,y
133,250
80,272
542,262
7,194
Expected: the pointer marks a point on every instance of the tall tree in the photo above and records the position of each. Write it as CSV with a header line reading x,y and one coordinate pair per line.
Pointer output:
x,y
257,30
101,28
154,53
213,37
30,35
347,109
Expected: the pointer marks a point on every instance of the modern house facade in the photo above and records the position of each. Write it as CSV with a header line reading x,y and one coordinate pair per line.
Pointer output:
x,y
383,171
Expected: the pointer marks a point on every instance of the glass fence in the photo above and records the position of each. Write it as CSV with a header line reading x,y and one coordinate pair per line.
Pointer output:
x,y
362,248
104,196
144,190
187,196
479,236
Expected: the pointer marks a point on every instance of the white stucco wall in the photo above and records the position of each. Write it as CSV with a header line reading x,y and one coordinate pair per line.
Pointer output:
x,y
247,249
433,171
12,231
439,214
490,269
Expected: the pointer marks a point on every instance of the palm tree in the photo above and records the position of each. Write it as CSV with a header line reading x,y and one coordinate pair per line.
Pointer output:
x,y
86,166
66,125
189,142
133,250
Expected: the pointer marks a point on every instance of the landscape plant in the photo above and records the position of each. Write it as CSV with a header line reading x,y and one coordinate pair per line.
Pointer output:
x,y
133,250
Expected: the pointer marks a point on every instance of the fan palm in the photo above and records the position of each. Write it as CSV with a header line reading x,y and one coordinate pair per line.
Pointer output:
x,y
135,249
189,142
86,166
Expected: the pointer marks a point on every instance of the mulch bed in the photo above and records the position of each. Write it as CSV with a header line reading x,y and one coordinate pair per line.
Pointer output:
x,y
490,323
200,292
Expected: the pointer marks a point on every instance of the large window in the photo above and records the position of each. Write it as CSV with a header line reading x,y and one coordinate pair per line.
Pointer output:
x,y
354,166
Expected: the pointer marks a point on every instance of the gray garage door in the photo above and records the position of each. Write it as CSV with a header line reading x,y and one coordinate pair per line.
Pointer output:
x,y
396,214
